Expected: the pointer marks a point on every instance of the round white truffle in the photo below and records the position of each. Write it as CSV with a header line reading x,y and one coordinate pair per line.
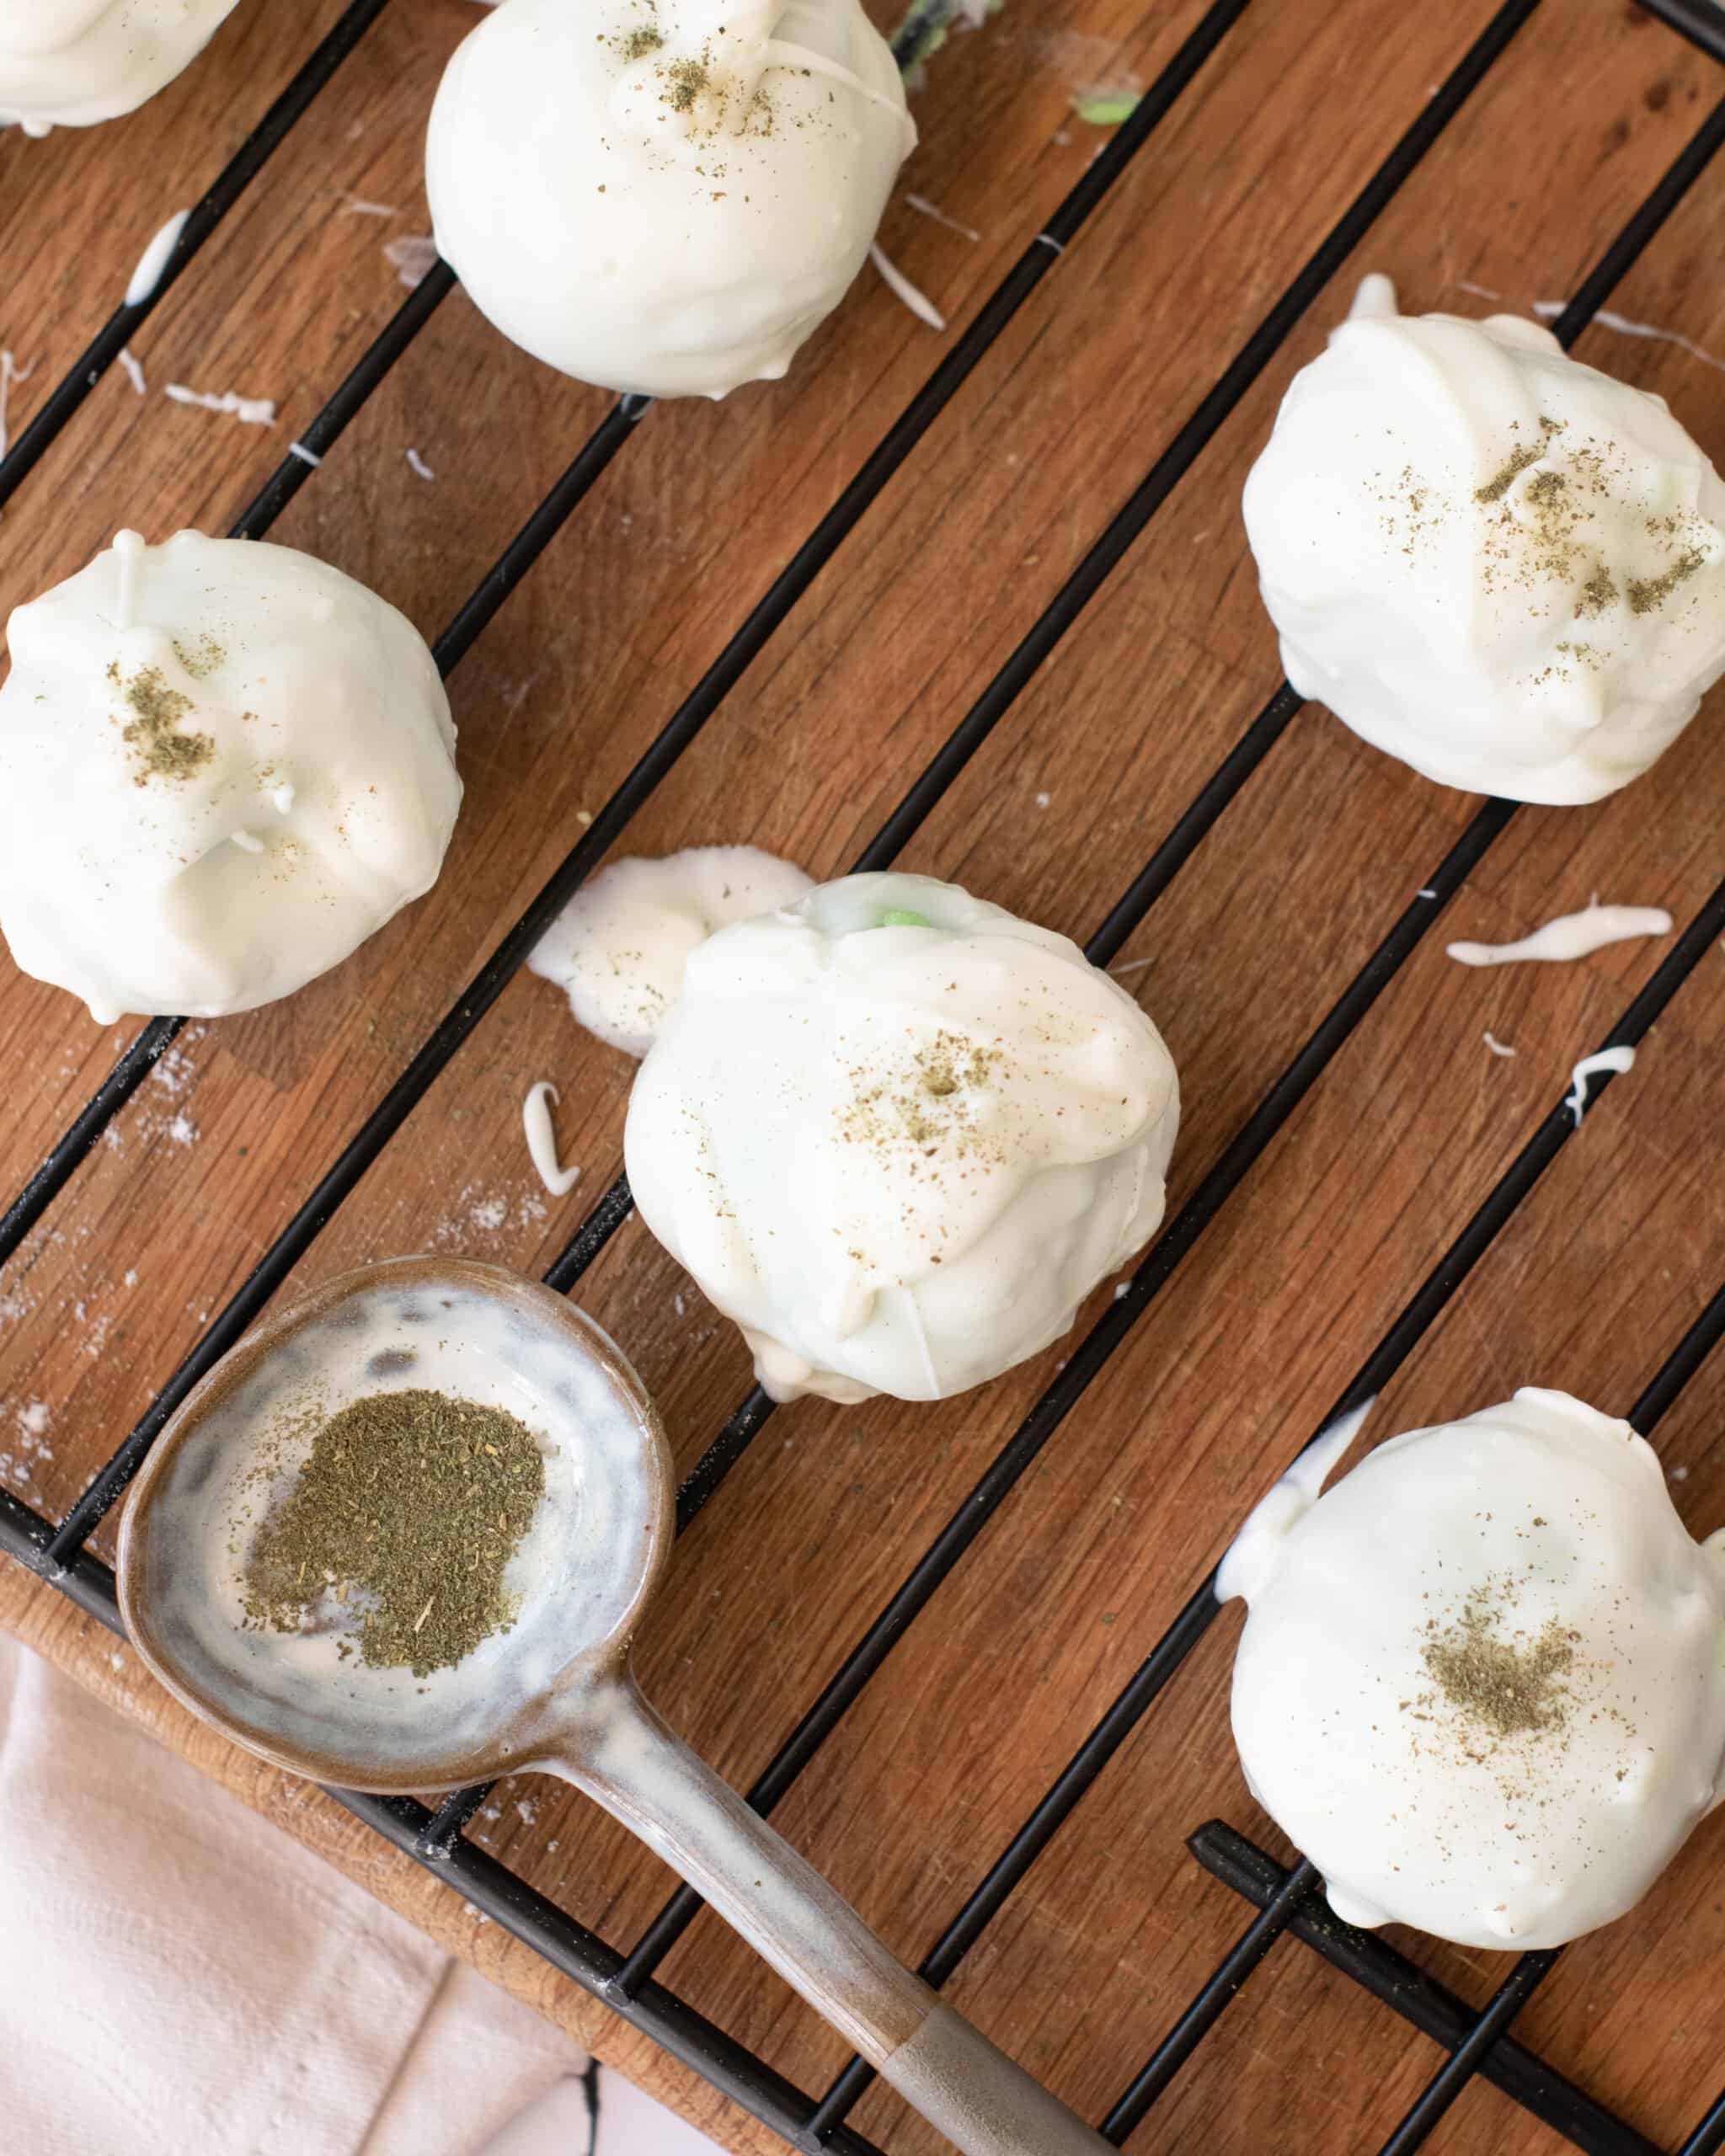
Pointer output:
x,y
70,63
618,948
1482,1681
223,765
1498,564
898,1135
664,195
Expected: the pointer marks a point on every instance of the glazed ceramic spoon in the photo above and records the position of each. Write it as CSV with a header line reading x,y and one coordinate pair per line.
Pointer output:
x,y
554,1693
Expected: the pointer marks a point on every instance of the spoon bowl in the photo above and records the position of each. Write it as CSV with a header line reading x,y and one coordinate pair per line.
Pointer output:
x,y
551,1693
587,1566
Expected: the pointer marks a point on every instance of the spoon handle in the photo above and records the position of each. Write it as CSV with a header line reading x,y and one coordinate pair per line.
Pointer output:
x,y
625,1757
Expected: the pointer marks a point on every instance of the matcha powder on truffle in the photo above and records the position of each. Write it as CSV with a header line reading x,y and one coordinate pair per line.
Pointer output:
x,y
408,1509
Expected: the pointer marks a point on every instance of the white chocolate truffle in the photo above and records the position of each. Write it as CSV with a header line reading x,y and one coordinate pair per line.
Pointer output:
x,y
71,63
898,1135
1482,1681
1498,564
222,766
665,197
619,947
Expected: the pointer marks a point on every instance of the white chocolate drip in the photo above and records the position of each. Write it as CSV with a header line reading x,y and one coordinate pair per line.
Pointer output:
x,y
1570,935
1615,1059
542,1140
154,260
249,411
1252,1556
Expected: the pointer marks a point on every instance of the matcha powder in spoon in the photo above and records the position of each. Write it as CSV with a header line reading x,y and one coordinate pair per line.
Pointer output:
x,y
407,1510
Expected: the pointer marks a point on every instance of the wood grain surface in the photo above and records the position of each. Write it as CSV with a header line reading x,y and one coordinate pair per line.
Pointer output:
x,y
1236,1361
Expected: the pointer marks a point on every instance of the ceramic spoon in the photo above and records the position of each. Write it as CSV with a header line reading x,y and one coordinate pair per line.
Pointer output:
x,y
554,1693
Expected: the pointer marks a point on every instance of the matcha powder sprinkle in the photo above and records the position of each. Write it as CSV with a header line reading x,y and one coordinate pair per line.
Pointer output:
x,y
408,1509
160,747
1505,1688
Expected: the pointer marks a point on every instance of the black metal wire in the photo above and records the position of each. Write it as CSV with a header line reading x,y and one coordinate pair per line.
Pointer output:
x,y
261,144
1437,2012
1709,2137
1201,2016
1447,2083
1680,1366
325,430
1702,21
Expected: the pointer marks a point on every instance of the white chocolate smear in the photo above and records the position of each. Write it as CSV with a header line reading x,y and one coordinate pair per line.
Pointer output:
x,y
717,180
1503,567
1497,1047
1570,935
898,1135
1615,1060
133,369
618,948
418,466
72,63
154,260
542,1140
1480,1681
223,764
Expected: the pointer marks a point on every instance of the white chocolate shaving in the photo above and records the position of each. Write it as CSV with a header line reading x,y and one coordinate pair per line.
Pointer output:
x,y
249,411
901,287
542,1140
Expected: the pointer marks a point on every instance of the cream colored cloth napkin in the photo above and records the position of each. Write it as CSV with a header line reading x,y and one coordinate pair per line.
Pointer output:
x,y
179,1978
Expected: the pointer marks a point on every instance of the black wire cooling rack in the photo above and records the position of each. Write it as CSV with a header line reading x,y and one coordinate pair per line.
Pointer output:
x,y
1286,1901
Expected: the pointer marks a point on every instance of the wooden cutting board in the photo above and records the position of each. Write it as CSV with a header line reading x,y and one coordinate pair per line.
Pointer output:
x,y
1233,1365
